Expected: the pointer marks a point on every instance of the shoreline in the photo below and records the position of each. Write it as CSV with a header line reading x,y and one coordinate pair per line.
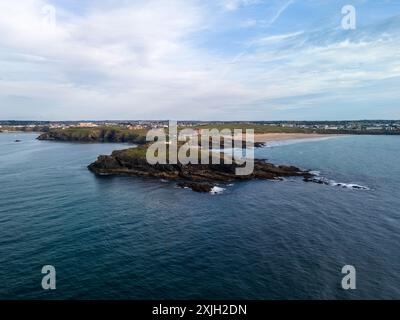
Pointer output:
x,y
200,177
11,132
272,137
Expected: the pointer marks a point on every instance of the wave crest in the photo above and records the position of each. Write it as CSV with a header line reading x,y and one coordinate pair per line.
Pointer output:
x,y
333,183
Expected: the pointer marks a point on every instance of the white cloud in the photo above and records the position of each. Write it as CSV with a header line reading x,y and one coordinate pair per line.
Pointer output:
x,y
278,38
133,59
139,60
281,10
232,5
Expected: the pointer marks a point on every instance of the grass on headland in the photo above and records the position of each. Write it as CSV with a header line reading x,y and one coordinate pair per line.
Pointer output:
x,y
99,134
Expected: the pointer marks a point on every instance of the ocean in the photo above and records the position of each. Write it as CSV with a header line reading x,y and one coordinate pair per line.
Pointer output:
x,y
136,238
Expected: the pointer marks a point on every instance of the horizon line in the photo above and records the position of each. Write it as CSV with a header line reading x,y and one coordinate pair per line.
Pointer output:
x,y
167,120
193,120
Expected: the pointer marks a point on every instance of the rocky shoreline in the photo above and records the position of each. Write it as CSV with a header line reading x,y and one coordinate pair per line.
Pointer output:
x,y
95,135
110,136
198,177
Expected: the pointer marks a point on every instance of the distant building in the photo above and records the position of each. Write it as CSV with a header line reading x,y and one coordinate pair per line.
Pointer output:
x,y
136,127
87,125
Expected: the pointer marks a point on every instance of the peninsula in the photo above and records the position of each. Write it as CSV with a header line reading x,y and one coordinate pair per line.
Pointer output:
x,y
98,134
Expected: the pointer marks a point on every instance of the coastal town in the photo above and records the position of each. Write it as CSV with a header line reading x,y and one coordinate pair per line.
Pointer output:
x,y
357,127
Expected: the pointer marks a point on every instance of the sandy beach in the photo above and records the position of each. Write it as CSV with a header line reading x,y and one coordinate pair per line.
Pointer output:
x,y
267,137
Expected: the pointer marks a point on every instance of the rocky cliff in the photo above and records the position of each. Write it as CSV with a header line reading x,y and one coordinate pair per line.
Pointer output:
x,y
198,177
100,134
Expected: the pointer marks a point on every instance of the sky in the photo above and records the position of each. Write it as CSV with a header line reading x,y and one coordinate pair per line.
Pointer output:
x,y
199,60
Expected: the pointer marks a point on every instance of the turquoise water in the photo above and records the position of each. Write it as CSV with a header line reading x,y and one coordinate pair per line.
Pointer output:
x,y
133,238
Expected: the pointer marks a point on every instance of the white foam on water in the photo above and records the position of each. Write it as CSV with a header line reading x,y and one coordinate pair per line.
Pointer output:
x,y
333,183
217,190
350,186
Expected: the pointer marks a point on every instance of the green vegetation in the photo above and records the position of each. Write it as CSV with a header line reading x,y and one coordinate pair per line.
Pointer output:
x,y
258,128
140,152
271,128
25,129
137,153
122,134
98,134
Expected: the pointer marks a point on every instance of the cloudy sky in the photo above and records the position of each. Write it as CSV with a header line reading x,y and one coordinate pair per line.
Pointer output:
x,y
198,59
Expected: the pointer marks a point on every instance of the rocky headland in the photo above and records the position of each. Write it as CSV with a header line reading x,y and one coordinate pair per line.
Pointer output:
x,y
100,134
110,134
198,177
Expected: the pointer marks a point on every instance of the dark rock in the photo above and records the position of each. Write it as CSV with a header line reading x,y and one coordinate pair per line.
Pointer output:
x,y
259,144
198,177
197,187
318,180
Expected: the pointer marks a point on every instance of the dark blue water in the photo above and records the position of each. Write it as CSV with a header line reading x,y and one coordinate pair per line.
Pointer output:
x,y
132,238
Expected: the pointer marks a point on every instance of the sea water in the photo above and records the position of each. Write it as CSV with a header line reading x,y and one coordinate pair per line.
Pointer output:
x,y
135,238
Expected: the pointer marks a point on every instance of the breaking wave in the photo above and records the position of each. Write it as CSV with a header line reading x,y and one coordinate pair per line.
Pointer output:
x,y
217,190
333,183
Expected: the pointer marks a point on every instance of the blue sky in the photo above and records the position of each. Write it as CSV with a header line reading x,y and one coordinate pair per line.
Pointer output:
x,y
200,60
